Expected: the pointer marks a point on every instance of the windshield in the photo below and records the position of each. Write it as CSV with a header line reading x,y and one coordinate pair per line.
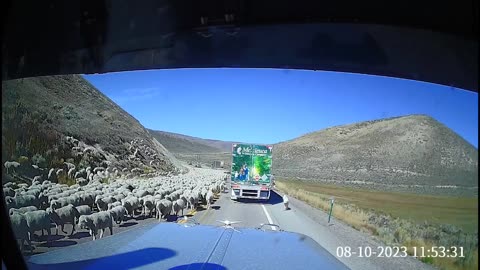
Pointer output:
x,y
380,172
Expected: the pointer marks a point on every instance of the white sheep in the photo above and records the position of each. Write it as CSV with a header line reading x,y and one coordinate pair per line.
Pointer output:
x,y
102,205
131,204
178,205
51,174
70,172
118,213
119,197
148,204
37,178
209,198
163,208
98,169
69,165
43,200
7,191
96,221
38,220
11,164
114,204
20,229
33,191
63,215
59,172
22,210
84,210
55,204
26,200
88,198
192,200
81,181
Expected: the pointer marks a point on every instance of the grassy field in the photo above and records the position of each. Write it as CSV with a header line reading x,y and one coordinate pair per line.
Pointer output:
x,y
403,217
461,212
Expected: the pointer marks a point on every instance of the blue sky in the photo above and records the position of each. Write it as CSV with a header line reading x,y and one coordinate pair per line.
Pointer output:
x,y
272,105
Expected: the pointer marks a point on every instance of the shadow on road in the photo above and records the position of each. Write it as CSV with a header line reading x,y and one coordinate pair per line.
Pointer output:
x,y
172,218
79,235
216,207
122,261
201,208
198,266
128,224
39,238
58,243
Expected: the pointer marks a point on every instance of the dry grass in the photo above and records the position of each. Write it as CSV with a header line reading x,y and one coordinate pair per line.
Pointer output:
x,y
461,212
63,179
405,224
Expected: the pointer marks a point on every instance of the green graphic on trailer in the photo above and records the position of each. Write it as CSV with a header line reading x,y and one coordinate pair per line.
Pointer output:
x,y
251,163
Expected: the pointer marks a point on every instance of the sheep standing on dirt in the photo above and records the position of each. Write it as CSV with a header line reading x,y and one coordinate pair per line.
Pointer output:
x,y
64,215
38,220
11,164
97,221
20,229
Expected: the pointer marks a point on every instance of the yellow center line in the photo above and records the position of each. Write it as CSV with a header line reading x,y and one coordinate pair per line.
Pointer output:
x,y
191,213
200,220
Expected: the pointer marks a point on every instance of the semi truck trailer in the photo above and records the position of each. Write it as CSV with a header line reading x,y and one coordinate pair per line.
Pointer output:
x,y
251,176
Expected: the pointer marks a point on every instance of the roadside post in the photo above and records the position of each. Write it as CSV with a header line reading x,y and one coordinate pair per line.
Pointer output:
x,y
332,200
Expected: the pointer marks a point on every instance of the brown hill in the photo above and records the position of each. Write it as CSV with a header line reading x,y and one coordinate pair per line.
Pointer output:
x,y
413,151
39,113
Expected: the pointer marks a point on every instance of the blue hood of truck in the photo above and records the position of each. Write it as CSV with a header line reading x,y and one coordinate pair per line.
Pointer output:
x,y
180,247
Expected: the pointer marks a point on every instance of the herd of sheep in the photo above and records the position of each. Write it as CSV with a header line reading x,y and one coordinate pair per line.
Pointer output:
x,y
97,206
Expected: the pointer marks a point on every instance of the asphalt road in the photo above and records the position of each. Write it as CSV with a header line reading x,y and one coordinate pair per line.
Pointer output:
x,y
300,218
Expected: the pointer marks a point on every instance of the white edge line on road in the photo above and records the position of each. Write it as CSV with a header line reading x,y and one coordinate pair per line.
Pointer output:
x,y
268,217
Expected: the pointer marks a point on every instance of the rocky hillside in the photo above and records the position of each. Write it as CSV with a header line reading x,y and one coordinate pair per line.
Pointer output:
x,y
405,152
57,120
178,143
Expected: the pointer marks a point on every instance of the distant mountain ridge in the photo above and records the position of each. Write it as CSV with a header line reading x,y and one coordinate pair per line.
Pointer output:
x,y
179,143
